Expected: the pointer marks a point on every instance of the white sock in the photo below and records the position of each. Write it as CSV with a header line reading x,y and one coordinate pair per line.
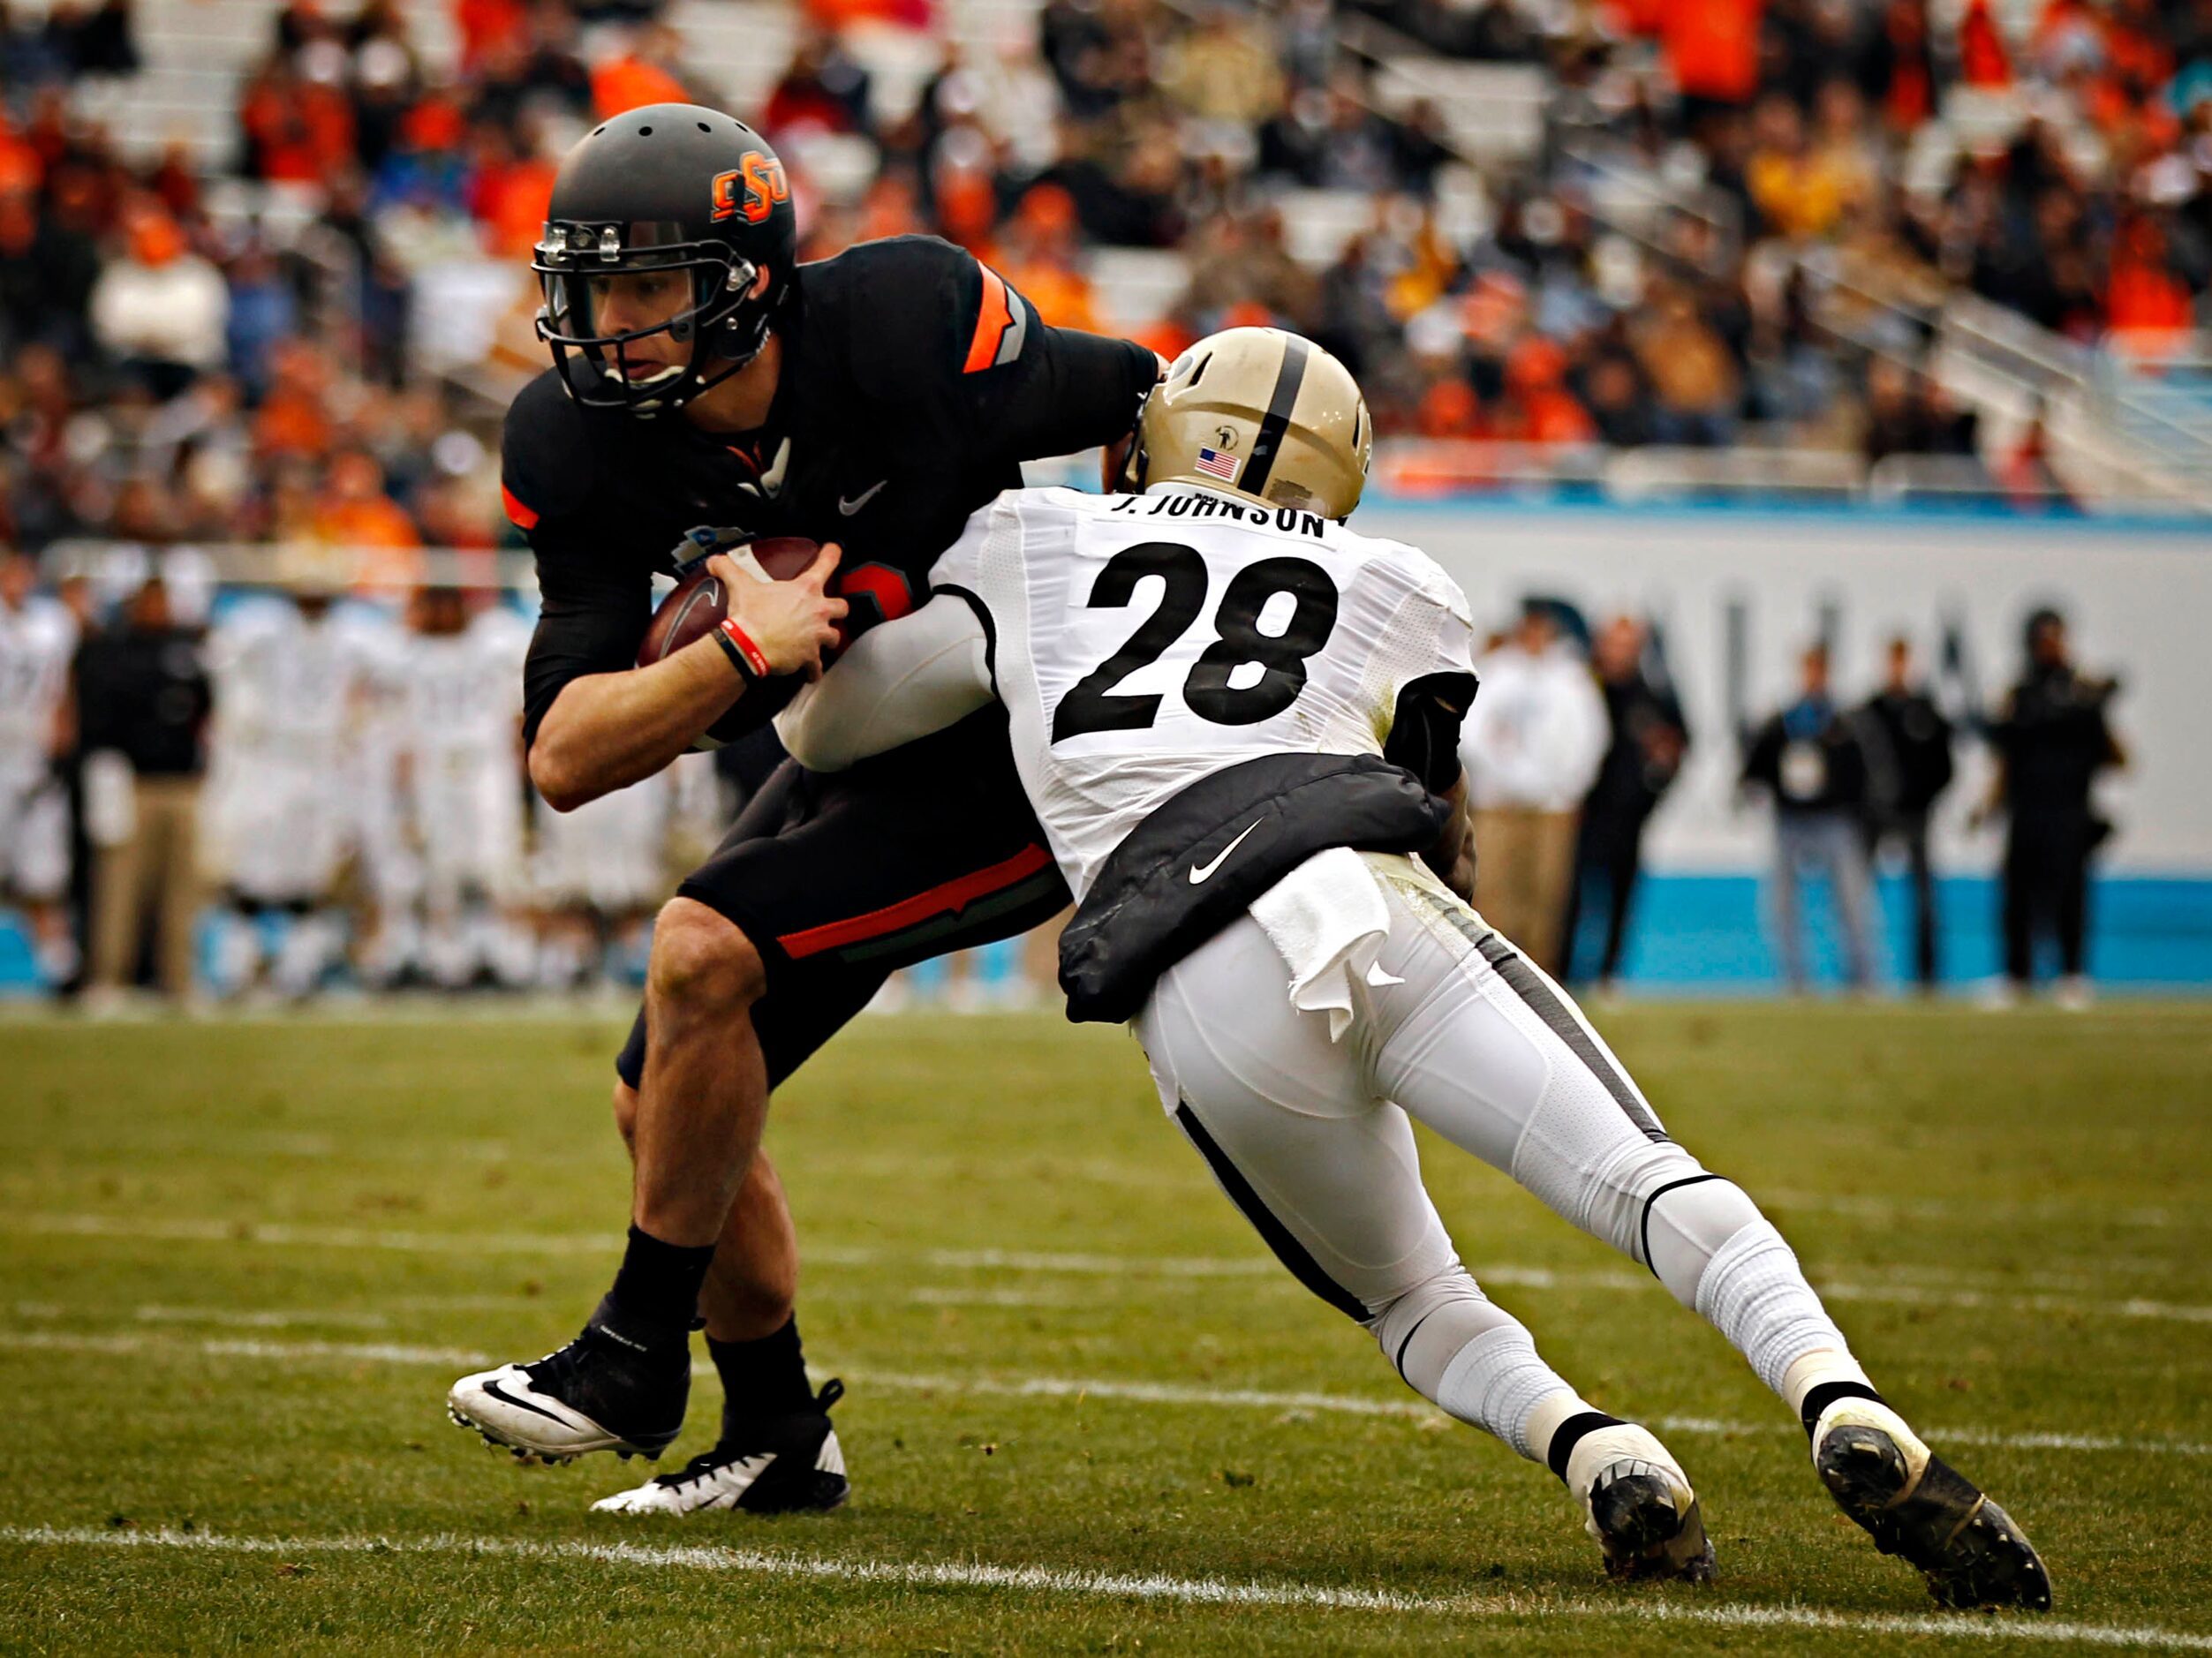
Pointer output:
x,y
1497,1382
1754,1293
1817,1368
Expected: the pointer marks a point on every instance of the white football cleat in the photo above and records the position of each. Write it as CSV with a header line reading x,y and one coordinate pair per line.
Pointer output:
x,y
601,1392
782,1465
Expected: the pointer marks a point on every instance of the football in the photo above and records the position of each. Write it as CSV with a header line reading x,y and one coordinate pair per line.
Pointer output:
x,y
695,607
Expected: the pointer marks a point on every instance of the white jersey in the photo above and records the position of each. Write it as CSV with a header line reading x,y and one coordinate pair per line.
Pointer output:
x,y
461,694
37,644
286,684
460,702
291,697
1143,642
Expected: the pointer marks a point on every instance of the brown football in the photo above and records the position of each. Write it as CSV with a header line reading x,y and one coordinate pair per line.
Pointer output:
x,y
697,605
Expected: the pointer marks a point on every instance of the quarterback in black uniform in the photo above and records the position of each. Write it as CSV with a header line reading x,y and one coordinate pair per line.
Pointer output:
x,y
871,401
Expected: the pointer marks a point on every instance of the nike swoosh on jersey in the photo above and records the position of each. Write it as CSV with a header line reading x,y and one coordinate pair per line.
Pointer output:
x,y
848,508
1200,872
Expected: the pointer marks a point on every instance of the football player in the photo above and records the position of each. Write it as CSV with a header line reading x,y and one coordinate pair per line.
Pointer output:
x,y
871,401
1238,723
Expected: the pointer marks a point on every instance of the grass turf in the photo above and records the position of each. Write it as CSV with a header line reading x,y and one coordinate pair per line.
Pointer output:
x,y
240,1263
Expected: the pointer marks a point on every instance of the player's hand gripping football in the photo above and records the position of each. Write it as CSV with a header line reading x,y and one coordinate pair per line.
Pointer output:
x,y
793,622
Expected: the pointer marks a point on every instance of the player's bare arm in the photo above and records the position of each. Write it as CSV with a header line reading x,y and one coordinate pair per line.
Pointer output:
x,y
605,731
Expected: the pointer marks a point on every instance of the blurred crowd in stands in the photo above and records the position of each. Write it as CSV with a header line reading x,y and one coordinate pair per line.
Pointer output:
x,y
175,373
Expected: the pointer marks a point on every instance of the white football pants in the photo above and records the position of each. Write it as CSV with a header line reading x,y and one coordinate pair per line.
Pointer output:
x,y
1313,1139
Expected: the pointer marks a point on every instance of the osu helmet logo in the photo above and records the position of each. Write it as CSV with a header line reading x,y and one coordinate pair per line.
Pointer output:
x,y
761,176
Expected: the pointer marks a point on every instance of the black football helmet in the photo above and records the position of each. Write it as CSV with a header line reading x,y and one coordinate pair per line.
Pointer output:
x,y
669,186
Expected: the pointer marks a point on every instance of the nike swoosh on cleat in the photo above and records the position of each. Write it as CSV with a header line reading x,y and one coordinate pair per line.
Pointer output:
x,y
848,508
505,1397
1202,873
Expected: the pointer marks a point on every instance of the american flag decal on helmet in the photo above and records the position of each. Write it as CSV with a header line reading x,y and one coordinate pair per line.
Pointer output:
x,y
1216,463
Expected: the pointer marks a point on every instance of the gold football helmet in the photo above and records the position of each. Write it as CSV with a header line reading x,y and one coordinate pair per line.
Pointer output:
x,y
1259,413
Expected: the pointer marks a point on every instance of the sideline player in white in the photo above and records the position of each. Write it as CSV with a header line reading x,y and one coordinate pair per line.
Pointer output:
x,y
38,642
292,686
1217,694
598,871
460,719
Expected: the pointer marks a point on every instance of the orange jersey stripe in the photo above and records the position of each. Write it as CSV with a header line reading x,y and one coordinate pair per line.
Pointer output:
x,y
520,515
991,322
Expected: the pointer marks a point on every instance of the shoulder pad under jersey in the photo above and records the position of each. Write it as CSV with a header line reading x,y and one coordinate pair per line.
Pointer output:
x,y
550,451
912,315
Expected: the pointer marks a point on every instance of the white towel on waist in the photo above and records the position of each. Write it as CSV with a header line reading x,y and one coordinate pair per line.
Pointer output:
x,y
1328,919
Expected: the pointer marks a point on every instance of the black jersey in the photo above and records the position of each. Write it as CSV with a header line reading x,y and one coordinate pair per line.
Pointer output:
x,y
914,382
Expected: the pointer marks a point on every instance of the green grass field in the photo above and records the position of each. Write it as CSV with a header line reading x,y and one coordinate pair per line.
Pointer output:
x,y
240,1263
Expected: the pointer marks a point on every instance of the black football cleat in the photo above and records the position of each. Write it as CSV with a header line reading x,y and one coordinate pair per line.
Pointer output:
x,y
1919,1508
782,1465
601,1392
1648,1527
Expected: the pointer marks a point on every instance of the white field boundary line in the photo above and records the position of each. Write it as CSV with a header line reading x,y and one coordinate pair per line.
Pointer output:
x,y
1082,1584
283,1235
274,1318
128,1343
1891,1209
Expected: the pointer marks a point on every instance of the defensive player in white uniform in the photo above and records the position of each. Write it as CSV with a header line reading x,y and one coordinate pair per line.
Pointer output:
x,y
38,641
1216,693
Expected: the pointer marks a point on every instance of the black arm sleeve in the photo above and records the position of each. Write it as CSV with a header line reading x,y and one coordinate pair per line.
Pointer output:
x,y
1424,733
925,323
592,620
596,595
1068,391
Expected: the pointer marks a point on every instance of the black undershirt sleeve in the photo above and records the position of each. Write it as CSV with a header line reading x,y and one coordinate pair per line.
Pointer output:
x,y
1068,391
591,621
1424,732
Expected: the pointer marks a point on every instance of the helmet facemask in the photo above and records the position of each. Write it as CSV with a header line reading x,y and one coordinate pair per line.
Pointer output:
x,y
726,324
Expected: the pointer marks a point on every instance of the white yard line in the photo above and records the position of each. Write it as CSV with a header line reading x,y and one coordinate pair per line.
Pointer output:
x,y
284,1235
953,1295
1077,1388
1888,1208
1085,1584
275,1318
127,1342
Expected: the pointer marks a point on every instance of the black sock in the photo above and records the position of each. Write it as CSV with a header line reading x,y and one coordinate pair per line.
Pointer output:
x,y
656,1293
1570,1433
760,1378
1827,1393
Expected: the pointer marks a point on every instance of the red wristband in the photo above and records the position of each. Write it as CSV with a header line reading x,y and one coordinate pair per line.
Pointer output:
x,y
745,655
